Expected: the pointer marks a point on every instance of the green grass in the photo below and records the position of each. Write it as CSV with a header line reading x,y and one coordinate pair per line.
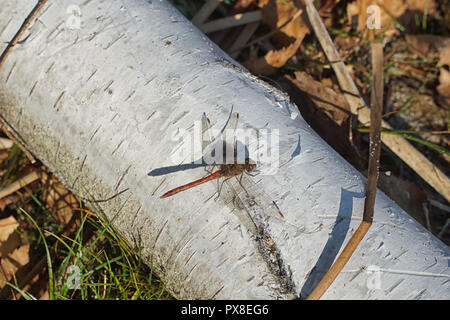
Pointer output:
x,y
95,254
103,268
92,263
407,135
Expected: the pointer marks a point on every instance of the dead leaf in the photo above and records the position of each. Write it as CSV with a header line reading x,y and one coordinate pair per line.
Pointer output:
x,y
345,42
427,46
388,9
277,13
9,240
334,105
327,7
326,11
7,226
5,143
273,60
421,5
60,201
13,262
404,10
444,85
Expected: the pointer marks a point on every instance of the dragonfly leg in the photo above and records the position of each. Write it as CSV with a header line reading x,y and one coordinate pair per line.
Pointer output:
x,y
209,168
218,190
220,186
240,182
251,174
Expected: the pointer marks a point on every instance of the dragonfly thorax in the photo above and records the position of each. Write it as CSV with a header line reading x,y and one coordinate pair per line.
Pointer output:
x,y
229,170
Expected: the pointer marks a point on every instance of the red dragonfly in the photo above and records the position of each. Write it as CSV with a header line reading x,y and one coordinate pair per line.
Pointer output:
x,y
225,170
245,193
254,200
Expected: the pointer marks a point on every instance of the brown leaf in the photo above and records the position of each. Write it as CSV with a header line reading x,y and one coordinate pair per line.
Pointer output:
x,y
444,84
404,10
273,60
277,13
421,5
327,7
427,46
7,227
60,201
15,260
9,240
334,105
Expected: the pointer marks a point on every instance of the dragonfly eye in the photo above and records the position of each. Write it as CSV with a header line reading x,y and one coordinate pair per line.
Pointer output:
x,y
250,167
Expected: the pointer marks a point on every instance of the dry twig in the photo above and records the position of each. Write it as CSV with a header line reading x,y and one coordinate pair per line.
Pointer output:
x,y
371,189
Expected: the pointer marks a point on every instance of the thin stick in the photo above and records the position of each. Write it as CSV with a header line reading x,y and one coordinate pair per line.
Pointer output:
x,y
371,189
340,262
19,183
22,29
376,110
402,148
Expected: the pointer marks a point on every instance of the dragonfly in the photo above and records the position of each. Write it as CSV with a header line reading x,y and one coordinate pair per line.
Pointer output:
x,y
243,189
226,170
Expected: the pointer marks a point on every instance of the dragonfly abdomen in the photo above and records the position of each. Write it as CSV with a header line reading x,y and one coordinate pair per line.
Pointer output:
x,y
195,183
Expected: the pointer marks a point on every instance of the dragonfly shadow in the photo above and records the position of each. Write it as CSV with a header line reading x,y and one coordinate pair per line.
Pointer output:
x,y
208,148
176,168
334,243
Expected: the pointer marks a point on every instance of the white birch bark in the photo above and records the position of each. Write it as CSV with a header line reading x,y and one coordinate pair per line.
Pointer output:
x,y
100,104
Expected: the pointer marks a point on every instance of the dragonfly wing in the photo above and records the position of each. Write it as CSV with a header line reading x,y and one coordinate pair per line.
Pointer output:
x,y
230,138
261,207
208,142
230,196
223,144
206,132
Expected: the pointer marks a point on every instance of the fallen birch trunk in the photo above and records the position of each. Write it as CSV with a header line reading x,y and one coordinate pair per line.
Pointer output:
x,y
100,92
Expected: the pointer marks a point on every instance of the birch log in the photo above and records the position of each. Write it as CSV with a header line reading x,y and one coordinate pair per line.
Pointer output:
x,y
101,90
